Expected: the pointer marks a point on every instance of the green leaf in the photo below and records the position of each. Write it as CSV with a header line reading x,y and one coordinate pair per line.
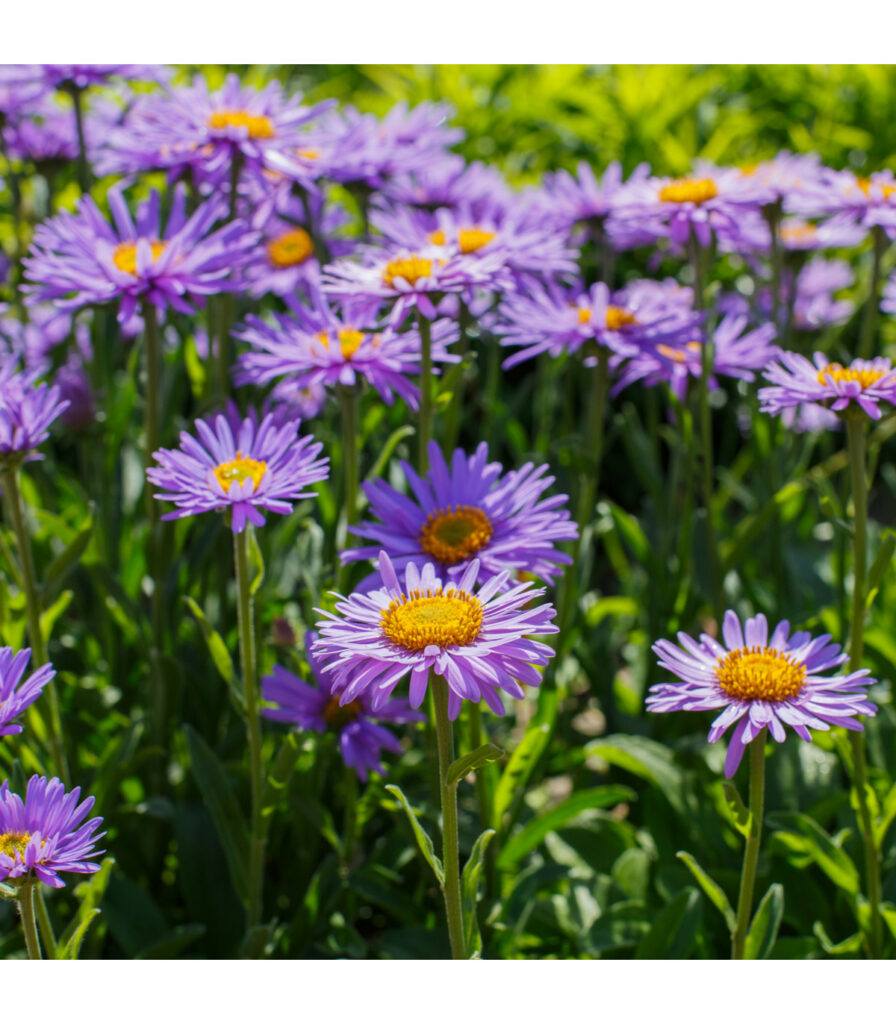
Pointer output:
x,y
519,768
711,889
90,895
880,565
833,861
67,559
470,892
849,945
256,560
674,930
765,924
220,655
462,767
171,944
739,809
420,834
645,758
534,832
213,782
50,615
887,815
392,442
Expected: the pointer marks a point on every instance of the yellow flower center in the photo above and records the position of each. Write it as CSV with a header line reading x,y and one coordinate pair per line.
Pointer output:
x,y
759,673
689,190
257,126
678,355
886,191
454,534
125,255
799,232
584,315
473,239
350,340
290,249
239,470
425,619
308,154
437,237
748,170
834,373
617,318
338,717
410,268
14,843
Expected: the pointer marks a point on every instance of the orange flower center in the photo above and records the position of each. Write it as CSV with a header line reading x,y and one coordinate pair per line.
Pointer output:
x,y
678,355
834,373
257,126
238,470
13,844
759,673
689,190
290,249
425,618
350,340
469,240
409,268
799,232
454,534
125,255
617,318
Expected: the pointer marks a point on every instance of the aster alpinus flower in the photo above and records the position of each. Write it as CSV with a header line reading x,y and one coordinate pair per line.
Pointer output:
x,y
567,200
247,471
27,409
479,641
447,181
853,200
862,385
361,731
18,694
761,682
46,834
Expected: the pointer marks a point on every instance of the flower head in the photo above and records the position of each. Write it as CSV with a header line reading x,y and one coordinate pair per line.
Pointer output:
x,y
761,683
46,834
852,200
447,181
470,509
247,468
862,385
478,641
15,694
362,738
567,200
27,409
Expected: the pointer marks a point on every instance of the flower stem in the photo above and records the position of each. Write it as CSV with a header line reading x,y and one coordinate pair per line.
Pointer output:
x,y
751,850
456,380
32,610
83,164
29,923
425,429
448,791
253,724
870,317
46,925
856,440
348,398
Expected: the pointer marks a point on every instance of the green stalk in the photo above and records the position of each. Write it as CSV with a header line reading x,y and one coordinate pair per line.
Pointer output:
x,y
751,850
424,433
448,792
46,925
29,924
348,398
83,165
248,666
32,609
456,380
856,441
869,319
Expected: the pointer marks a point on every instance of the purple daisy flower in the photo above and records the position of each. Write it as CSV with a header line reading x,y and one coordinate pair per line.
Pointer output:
x,y
795,234
866,202
567,200
81,259
46,834
787,176
27,409
317,707
448,181
470,509
761,682
479,642
19,93
83,76
16,695
246,468
557,320
863,384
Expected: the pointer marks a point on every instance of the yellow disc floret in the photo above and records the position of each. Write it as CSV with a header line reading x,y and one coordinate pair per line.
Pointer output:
x,y
125,255
432,619
14,843
291,249
760,673
835,373
454,534
689,190
257,126
473,239
238,470
617,318
410,268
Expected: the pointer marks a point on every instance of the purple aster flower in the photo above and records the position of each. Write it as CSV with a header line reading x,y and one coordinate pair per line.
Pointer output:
x,y
83,76
361,738
863,384
27,409
291,401
46,834
448,181
712,201
470,509
245,468
80,259
557,320
16,695
19,93
866,202
760,683
326,346
888,302
737,352
787,176
795,234
479,642
567,199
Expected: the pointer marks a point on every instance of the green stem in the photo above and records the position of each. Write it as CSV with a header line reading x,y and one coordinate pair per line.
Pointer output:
x,y
248,667
751,850
856,440
348,398
426,387
448,791
83,164
350,823
32,609
46,925
869,319
29,924
455,380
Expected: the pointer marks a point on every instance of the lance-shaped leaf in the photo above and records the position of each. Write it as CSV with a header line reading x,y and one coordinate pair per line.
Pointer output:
x,y
470,892
67,559
674,930
90,894
420,834
220,655
711,889
519,768
765,924
462,767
